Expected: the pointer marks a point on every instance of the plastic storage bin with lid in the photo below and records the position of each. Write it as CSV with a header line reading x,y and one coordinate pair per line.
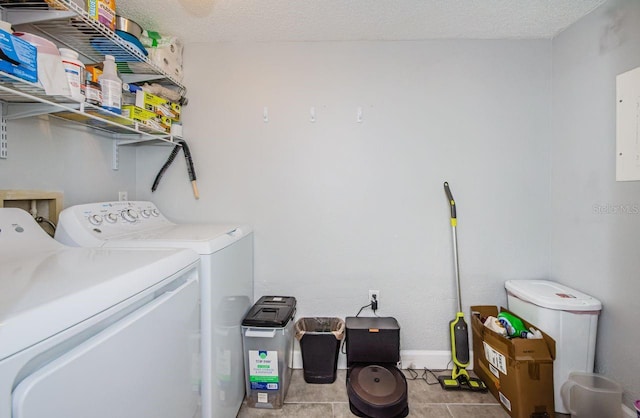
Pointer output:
x,y
588,395
267,339
570,317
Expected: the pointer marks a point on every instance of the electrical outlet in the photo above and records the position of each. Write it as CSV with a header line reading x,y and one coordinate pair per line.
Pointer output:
x,y
377,295
122,196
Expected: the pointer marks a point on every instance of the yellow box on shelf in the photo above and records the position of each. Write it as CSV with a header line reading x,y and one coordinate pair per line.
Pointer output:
x,y
158,105
145,117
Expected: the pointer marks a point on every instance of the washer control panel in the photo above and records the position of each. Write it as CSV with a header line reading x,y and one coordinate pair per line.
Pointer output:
x,y
105,220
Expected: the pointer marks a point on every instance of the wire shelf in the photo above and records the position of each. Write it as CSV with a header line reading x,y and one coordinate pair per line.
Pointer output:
x,y
91,39
15,90
68,25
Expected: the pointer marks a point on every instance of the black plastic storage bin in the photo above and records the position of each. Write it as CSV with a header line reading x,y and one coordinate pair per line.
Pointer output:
x,y
320,344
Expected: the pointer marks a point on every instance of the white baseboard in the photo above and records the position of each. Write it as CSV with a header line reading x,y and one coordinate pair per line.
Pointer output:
x,y
628,412
415,359
431,359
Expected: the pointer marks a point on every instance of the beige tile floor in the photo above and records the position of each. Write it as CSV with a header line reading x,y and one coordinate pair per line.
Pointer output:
x,y
330,400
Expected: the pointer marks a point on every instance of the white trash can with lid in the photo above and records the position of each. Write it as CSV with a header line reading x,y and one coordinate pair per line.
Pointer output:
x,y
570,317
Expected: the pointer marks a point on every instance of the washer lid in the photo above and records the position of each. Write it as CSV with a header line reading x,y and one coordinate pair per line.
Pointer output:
x,y
202,238
552,295
139,224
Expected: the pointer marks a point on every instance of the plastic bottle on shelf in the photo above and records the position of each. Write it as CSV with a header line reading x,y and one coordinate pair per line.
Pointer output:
x,y
74,70
111,86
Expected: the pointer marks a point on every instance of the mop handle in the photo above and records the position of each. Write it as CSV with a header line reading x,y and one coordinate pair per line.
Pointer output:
x,y
454,223
452,203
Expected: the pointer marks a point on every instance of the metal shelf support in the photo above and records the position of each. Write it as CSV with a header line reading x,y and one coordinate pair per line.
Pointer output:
x,y
4,152
115,159
119,141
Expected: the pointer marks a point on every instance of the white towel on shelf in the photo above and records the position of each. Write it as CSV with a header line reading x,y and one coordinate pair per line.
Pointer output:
x,y
51,75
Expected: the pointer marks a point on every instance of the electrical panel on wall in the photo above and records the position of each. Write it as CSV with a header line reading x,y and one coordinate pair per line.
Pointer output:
x,y
628,126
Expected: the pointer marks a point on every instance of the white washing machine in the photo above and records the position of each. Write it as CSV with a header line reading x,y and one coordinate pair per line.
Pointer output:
x,y
97,333
226,275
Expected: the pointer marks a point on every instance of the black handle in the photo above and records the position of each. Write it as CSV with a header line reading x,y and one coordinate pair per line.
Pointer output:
x,y
191,171
451,201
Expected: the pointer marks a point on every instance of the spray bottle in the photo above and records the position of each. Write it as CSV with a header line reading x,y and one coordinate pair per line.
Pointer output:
x,y
111,86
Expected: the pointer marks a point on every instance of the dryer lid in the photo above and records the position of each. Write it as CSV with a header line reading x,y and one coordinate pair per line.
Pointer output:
x,y
552,295
47,287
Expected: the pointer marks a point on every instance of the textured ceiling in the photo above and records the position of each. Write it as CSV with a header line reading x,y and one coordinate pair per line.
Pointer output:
x,y
346,20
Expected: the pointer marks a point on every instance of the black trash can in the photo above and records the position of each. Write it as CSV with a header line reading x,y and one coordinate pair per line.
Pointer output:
x,y
320,344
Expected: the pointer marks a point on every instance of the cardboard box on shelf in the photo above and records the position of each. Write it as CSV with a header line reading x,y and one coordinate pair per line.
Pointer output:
x,y
145,117
18,57
94,71
104,11
517,371
158,105
167,121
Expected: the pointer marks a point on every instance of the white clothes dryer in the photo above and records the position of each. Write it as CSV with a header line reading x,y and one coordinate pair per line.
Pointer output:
x,y
97,333
226,277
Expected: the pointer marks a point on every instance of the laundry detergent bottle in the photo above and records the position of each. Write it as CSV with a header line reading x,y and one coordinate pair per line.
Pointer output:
x,y
111,86
514,325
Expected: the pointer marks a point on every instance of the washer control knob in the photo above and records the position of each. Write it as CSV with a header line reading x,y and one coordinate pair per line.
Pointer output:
x,y
146,213
95,219
111,218
155,212
129,215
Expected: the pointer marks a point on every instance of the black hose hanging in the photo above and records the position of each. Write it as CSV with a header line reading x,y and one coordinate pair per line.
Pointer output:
x,y
166,165
190,168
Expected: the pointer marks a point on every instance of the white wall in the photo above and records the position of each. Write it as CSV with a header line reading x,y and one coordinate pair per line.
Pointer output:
x,y
340,207
55,156
594,245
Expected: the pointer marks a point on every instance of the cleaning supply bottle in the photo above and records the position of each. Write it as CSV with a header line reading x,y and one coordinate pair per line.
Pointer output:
x,y
534,334
514,325
111,86
74,70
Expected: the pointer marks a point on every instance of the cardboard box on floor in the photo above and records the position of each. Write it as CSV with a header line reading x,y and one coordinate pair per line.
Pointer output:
x,y
518,372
